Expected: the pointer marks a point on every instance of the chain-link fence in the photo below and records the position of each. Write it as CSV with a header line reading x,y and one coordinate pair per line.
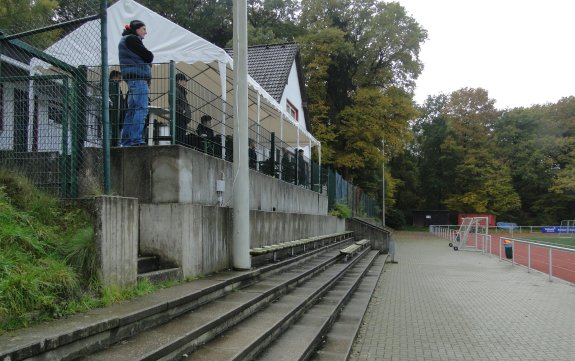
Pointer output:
x,y
341,191
52,119
50,123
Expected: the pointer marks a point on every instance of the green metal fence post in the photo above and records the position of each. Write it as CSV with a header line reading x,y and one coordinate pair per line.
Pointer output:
x,y
63,173
105,95
172,100
78,126
331,191
273,155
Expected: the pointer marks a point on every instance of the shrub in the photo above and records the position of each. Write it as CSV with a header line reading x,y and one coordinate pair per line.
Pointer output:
x,y
341,210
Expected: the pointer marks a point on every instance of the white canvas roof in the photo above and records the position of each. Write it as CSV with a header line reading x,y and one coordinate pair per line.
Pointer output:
x,y
203,61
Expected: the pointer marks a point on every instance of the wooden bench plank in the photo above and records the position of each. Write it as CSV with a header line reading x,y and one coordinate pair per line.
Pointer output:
x,y
363,242
351,249
258,251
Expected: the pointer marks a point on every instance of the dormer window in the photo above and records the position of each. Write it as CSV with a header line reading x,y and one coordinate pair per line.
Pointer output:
x,y
292,110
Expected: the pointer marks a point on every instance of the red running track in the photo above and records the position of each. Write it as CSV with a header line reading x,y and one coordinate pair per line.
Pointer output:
x,y
562,261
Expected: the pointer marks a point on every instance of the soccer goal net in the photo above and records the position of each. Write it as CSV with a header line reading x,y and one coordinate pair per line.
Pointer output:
x,y
567,229
473,234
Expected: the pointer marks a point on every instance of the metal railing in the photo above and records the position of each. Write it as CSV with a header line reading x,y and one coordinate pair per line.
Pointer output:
x,y
555,261
53,127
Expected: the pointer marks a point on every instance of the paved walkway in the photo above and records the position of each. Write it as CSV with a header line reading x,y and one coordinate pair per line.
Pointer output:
x,y
438,304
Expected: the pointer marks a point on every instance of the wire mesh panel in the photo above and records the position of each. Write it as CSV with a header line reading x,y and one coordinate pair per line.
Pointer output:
x,y
341,191
50,101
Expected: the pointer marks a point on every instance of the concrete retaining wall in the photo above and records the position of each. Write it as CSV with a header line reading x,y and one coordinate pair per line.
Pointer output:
x,y
176,174
191,236
198,237
116,222
273,227
380,237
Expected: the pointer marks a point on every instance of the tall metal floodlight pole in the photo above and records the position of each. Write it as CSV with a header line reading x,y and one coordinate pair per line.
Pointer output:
x,y
383,182
240,186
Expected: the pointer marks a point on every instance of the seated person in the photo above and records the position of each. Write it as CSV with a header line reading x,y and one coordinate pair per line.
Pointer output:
x,y
229,148
205,127
206,133
288,167
252,155
183,109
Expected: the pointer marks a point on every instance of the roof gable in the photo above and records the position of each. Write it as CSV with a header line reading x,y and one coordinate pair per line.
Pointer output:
x,y
270,65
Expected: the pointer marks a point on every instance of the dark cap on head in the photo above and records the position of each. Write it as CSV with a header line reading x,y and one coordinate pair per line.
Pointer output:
x,y
132,27
114,74
181,76
136,24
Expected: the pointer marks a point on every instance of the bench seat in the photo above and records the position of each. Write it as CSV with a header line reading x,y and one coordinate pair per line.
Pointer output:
x,y
363,242
300,244
351,249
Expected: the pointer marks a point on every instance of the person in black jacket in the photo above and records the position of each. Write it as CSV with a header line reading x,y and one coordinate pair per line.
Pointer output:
x,y
117,106
183,110
288,167
206,134
301,169
136,67
252,154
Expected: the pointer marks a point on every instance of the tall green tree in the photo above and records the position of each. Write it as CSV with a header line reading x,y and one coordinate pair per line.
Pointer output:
x,y
373,116
436,173
319,51
527,142
482,183
387,47
75,9
562,189
272,21
18,16
375,49
269,21
210,19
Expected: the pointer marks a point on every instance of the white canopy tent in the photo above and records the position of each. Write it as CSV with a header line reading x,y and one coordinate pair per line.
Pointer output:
x,y
202,61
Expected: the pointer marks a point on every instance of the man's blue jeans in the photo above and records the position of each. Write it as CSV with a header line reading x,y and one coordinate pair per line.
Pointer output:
x,y
135,118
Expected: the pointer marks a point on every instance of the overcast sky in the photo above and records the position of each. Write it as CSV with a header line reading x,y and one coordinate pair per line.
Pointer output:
x,y
521,51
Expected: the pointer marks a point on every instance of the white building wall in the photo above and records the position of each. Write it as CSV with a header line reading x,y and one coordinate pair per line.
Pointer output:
x,y
292,92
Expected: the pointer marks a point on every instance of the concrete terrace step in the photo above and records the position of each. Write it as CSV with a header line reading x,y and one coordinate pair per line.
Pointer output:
x,y
148,263
303,339
337,344
162,275
97,329
253,335
171,339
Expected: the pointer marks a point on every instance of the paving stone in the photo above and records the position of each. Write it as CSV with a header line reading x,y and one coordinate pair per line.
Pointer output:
x,y
438,304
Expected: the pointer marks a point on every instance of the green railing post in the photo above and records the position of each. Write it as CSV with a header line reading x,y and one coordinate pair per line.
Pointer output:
x,y
78,126
64,156
172,100
273,155
105,95
331,191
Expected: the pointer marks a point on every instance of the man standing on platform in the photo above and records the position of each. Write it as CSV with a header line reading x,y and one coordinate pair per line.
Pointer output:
x,y
136,66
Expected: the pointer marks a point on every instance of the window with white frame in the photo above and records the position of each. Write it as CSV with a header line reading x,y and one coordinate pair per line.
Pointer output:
x,y
292,110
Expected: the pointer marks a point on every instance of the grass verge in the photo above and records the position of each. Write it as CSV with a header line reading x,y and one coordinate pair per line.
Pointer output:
x,y
48,267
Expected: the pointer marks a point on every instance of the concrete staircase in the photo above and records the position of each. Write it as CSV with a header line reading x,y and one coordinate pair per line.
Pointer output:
x,y
151,267
280,311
